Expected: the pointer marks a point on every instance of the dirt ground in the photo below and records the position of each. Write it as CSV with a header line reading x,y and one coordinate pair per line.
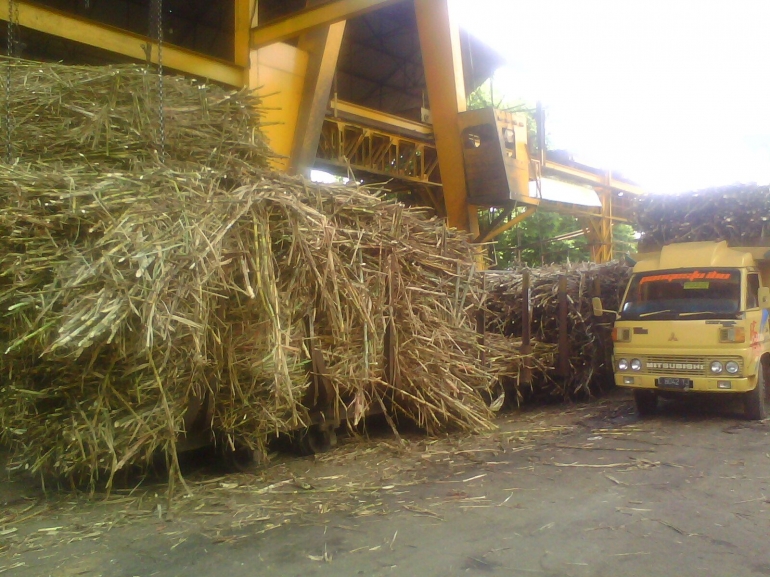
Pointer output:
x,y
584,490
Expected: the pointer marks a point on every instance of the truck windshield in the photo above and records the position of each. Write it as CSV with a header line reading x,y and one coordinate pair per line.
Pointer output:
x,y
687,294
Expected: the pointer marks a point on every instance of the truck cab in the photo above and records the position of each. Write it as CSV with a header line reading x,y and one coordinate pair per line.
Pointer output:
x,y
694,319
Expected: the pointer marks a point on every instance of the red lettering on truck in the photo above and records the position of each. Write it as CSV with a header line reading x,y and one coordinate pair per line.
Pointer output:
x,y
686,276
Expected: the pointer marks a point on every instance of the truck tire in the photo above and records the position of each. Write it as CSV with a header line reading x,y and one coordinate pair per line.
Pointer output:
x,y
646,402
315,440
239,460
755,402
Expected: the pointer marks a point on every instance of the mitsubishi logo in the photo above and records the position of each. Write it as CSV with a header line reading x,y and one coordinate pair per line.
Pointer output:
x,y
672,337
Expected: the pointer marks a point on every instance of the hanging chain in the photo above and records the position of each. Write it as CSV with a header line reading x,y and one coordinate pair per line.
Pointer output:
x,y
9,33
157,16
12,25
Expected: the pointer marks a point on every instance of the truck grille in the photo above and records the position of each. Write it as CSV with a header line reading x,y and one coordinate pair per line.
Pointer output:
x,y
696,366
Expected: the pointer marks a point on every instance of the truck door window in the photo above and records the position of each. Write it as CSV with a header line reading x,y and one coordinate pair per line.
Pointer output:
x,y
752,289
688,293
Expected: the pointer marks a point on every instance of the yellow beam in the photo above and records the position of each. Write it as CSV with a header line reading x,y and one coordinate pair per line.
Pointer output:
x,y
577,210
278,72
323,48
242,37
305,20
388,120
442,58
508,225
121,42
591,178
598,230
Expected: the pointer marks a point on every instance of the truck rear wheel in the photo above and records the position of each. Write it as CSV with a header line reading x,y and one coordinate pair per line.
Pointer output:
x,y
755,402
646,402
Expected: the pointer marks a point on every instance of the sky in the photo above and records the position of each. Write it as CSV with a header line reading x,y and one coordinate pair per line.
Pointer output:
x,y
673,94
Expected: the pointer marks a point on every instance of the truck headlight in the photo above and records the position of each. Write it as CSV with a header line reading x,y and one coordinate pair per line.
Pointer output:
x,y
732,367
636,365
623,365
716,367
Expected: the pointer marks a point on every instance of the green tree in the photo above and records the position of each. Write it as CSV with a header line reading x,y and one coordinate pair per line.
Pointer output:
x,y
531,242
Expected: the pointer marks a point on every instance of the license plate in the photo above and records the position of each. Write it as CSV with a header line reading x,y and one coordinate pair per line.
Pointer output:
x,y
674,383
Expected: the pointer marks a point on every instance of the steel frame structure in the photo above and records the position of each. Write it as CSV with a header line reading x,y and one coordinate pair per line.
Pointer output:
x,y
302,129
352,145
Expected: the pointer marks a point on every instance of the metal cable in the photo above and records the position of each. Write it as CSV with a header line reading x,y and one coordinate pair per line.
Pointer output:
x,y
9,50
157,16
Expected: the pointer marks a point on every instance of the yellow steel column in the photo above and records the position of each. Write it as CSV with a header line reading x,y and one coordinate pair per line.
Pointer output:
x,y
599,229
295,83
606,225
323,47
442,59
242,33
278,73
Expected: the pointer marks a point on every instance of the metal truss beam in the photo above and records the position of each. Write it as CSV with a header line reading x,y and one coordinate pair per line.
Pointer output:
x,y
305,20
121,42
350,145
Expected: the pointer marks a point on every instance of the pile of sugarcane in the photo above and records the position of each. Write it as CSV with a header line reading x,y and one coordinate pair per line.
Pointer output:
x,y
589,368
739,213
136,289
110,117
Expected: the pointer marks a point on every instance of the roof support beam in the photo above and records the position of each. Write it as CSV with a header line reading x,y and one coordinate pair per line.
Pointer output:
x,y
119,41
323,48
315,17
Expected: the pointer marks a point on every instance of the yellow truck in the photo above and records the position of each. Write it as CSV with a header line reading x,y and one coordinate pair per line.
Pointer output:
x,y
694,320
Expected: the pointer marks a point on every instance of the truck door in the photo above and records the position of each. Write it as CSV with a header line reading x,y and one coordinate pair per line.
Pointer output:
x,y
756,318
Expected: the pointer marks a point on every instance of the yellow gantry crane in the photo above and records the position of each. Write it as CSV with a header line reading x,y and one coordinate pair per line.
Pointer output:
x,y
378,87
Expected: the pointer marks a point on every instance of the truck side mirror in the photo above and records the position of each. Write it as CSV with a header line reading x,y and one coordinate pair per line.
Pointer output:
x,y
596,303
599,310
764,297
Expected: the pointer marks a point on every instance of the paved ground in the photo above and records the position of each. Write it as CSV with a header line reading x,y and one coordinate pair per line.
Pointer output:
x,y
588,490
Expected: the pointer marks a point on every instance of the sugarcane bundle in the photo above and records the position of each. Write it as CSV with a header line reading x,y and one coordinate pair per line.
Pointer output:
x,y
119,311
738,213
506,361
590,343
433,300
109,282
108,116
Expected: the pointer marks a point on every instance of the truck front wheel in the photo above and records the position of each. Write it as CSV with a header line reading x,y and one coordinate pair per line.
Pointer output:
x,y
646,402
755,402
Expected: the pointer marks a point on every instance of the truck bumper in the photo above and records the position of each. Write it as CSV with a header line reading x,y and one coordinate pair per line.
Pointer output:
x,y
699,384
